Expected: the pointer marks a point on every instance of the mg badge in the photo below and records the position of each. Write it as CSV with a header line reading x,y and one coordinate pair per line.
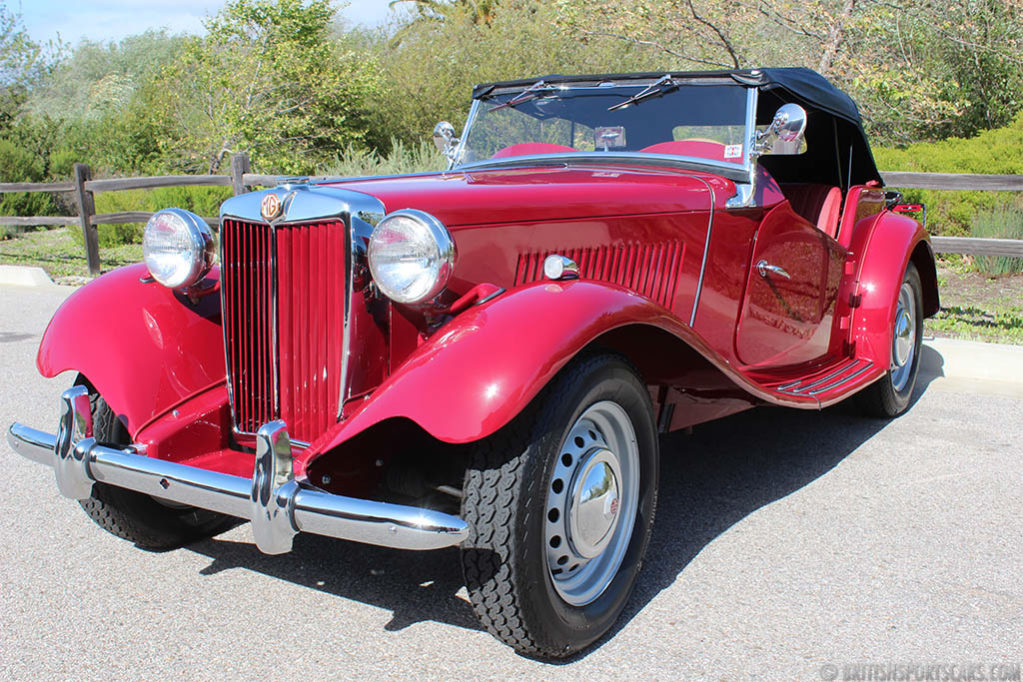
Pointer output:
x,y
270,207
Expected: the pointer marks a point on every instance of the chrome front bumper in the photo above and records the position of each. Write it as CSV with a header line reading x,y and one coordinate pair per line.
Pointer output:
x,y
278,505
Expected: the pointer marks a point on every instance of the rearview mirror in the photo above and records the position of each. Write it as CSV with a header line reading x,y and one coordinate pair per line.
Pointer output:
x,y
444,138
785,134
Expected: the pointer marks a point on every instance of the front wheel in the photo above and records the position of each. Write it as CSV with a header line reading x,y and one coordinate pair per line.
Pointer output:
x,y
889,396
560,505
144,520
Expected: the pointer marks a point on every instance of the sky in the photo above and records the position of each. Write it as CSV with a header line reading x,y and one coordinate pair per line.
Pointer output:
x,y
105,20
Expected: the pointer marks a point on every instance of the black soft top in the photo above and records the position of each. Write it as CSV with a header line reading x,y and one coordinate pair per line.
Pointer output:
x,y
847,140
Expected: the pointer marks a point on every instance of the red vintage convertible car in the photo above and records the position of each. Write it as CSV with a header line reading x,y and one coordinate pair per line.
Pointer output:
x,y
484,357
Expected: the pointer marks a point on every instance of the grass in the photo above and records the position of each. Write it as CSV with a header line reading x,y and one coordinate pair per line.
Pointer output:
x,y
1004,325
61,256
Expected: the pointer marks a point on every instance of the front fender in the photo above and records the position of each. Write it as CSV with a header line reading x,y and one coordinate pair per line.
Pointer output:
x,y
884,253
144,347
480,370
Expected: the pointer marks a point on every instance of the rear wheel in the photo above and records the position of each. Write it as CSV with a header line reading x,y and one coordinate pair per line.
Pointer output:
x,y
560,505
144,520
889,396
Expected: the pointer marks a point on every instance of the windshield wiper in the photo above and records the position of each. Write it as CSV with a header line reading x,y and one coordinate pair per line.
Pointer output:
x,y
524,96
663,85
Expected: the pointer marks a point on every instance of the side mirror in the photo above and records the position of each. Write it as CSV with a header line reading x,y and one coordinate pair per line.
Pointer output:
x,y
444,138
785,134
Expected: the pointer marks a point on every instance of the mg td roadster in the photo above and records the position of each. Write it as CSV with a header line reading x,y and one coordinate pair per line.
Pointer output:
x,y
484,357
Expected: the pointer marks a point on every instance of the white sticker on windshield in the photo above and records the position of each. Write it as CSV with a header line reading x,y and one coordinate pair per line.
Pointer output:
x,y
733,151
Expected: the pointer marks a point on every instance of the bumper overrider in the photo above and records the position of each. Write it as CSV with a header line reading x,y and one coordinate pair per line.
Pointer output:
x,y
278,505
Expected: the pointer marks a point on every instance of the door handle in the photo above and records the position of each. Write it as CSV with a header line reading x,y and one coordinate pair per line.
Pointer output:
x,y
764,268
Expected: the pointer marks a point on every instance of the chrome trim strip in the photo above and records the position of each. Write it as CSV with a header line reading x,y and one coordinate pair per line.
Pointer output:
x,y
287,503
732,171
844,367
706,253
853,363
275,353
843,380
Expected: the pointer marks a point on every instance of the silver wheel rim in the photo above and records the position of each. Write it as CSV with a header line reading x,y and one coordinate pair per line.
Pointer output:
x,y
591,503
904,338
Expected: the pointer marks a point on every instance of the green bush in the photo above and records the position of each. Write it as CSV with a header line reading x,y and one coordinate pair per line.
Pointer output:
x,y
1004,222
998,152
204,201
18,164
355,162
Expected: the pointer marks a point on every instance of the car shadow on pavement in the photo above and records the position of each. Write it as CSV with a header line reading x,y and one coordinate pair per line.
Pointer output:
x,y
710,481
415,586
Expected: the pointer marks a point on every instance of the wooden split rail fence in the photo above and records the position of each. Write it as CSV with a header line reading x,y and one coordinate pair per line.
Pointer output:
x,y
240,180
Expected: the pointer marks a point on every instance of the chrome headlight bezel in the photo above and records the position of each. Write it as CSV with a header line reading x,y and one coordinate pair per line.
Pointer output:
x,y
197,250
432,281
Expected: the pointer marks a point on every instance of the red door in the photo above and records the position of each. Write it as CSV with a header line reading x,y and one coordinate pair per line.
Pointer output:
x,y
790,292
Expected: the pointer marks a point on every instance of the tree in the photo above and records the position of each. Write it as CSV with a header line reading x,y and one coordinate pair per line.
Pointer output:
x,y
267,80
918,68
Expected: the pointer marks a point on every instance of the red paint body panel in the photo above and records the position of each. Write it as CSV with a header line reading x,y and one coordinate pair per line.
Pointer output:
x,y
787,320
144,347
532,195
883,252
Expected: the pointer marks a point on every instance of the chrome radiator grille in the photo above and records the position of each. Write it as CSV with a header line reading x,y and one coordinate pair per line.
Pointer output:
x,y
283,316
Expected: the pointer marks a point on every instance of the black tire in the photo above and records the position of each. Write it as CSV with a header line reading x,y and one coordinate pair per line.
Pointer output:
x,y
140,518
889,396
505,559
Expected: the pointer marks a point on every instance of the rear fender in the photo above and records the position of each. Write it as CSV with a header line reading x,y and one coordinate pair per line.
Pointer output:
x,y
482,368
884,252
143,347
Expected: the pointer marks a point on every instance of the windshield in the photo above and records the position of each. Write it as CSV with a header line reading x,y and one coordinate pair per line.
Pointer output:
x,y
705,121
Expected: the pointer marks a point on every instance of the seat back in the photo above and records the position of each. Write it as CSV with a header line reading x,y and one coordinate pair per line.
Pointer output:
x,y
820,204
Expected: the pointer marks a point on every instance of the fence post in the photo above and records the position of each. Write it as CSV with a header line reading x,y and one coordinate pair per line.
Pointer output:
x,y
239,167
86,210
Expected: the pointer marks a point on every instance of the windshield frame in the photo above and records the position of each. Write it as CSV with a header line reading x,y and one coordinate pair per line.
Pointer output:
x,y
738,172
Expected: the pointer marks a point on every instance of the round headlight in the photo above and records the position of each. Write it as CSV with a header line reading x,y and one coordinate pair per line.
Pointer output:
x,y
411,256
177,247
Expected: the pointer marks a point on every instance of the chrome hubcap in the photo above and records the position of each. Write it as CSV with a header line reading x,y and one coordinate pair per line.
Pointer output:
x,y
904,338
591,503
593,506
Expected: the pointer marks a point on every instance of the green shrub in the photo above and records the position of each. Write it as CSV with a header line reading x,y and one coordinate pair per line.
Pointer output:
x,y
356,162
18,164
1004,222
204,201
998,152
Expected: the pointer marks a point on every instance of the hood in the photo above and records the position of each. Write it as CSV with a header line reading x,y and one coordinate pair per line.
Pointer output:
x,y
466,198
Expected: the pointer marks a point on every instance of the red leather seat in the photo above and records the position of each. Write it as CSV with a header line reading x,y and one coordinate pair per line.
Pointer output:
x,y
820,204
703,149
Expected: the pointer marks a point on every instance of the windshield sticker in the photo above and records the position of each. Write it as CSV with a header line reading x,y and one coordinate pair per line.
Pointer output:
x,y
610,136
733,151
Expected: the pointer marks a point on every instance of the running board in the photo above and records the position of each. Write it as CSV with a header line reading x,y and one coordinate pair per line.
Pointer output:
x,y
846,372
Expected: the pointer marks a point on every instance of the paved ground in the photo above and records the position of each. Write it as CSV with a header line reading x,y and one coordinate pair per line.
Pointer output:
x,y
786,542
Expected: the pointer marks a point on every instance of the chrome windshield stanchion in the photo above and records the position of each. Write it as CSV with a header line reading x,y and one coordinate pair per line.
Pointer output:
x,y
74,443
273,490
